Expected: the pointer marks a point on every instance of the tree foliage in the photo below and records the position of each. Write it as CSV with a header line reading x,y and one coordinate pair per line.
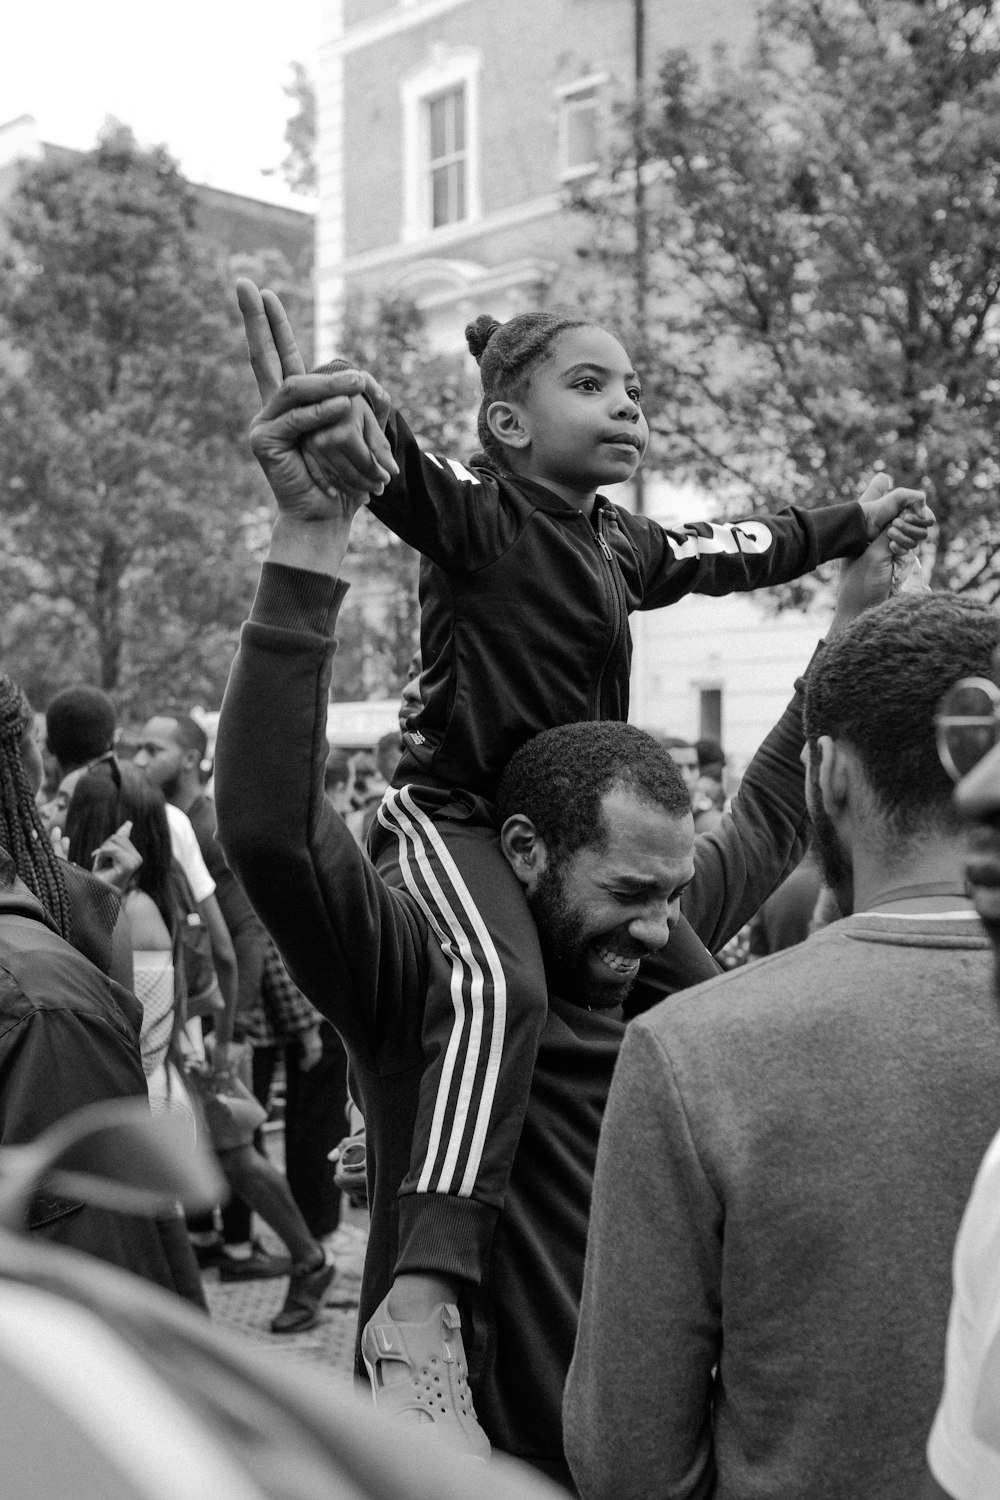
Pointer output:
x,y
129,507
823,295
437,396
299,165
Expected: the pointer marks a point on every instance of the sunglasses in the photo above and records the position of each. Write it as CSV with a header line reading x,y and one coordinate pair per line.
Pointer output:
x,y
968,724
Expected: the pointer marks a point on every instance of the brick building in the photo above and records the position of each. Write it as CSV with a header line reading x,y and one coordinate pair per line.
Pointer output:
x,y
450,131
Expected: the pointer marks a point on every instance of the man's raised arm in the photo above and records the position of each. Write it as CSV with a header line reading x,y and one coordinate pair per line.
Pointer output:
x,y
763,838
351,945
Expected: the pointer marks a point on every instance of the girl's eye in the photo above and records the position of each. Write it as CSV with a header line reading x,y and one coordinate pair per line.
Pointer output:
x,y
588,383
635,395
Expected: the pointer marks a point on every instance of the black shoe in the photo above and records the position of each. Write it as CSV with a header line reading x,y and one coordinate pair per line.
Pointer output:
x,y
209,1253
259,1265
306,1290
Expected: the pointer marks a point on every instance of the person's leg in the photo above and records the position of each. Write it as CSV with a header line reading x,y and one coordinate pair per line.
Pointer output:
x,y
241,1257
267,1192
181,1258
484,1011
315,1100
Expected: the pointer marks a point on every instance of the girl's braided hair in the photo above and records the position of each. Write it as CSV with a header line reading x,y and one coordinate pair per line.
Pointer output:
x,y
22,833
506,354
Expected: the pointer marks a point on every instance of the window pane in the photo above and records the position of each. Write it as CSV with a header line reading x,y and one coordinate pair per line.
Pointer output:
x,y
448,194
436,110
458,118
446,123
710,715
458,169
581,132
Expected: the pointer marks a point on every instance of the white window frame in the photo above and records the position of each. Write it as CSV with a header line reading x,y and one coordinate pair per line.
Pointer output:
x,y
592,83
445,71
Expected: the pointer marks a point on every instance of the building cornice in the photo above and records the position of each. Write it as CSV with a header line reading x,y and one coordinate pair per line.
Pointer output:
x,y
391,23
447,238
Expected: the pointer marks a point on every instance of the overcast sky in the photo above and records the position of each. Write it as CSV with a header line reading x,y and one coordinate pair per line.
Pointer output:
x,y
203,77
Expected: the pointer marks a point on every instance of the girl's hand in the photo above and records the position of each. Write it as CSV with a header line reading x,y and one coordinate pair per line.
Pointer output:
x,y
904,514
117,861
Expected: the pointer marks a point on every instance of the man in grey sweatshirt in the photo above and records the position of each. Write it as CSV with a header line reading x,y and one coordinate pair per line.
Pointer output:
x,y
787,1150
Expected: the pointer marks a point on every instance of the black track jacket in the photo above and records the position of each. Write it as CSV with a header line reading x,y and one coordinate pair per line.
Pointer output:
x,y
525,601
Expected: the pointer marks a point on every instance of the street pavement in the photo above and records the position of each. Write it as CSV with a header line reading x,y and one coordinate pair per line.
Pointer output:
x,y
246,1308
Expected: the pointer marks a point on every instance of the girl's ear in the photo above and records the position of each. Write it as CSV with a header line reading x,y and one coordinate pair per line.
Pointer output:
x,y
506,424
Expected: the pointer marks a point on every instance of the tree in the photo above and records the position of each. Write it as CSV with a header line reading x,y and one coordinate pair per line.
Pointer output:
x,y
130,511
824,298
299,165
435,392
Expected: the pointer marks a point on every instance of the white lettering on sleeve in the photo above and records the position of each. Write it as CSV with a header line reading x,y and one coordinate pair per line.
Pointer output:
x,y
459,470
748,536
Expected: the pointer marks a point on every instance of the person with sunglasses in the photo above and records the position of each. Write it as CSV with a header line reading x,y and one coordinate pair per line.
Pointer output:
x,y
963,1451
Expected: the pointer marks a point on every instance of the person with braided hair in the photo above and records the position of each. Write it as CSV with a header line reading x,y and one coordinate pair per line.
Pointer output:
x,y
528,576
83,909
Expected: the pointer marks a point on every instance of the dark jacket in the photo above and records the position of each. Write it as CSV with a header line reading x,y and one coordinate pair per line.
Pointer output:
x,y
69,1036
362,952
525,601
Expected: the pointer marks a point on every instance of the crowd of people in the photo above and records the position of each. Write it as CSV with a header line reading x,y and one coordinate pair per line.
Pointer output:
x,y
648,1217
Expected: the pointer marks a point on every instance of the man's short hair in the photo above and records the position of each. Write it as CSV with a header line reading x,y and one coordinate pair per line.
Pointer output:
x,y
710,753
79,726
877,686
189,733
560,778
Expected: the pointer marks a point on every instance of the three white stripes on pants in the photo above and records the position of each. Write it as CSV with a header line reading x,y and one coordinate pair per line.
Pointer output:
x,y
433,879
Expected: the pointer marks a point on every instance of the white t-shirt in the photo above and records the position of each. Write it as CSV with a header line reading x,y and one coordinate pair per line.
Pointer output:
x,y
964,1446
187,852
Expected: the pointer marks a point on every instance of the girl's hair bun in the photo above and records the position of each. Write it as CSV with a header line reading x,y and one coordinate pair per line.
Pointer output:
x,y
479,332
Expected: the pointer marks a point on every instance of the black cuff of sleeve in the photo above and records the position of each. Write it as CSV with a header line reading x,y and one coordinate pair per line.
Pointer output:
x,y
295,599
449,1236
841,530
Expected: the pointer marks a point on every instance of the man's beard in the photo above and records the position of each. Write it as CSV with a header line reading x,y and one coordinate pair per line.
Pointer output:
x,y
171,786
834,864
565,949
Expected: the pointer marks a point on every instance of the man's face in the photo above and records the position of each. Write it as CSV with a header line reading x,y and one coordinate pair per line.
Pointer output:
x,y
977,798
159,756
685,758
600,911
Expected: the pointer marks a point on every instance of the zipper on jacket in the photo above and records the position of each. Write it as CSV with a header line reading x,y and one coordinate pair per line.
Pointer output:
x,y
613,581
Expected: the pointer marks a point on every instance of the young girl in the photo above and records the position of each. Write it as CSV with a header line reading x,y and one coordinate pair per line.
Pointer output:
x,y
528,577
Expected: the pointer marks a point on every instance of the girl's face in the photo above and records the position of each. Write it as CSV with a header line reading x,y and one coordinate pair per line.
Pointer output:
x,y
580,425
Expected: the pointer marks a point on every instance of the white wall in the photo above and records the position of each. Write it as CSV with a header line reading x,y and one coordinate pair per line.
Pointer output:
x,y
732,643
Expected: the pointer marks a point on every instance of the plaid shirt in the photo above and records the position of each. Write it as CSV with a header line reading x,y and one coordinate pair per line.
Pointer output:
x,y
284,1012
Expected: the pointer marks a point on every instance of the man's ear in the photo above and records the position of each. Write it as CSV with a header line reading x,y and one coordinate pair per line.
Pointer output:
x,y
523,849
834,774
507,425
